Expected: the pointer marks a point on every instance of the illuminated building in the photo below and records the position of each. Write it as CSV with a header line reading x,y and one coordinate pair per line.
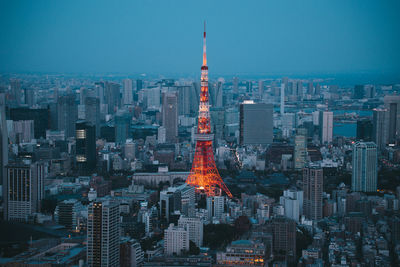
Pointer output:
x,y
103,234
243,252
204,175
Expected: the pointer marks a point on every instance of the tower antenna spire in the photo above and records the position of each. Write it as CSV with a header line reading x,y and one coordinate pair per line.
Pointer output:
x,y
204,46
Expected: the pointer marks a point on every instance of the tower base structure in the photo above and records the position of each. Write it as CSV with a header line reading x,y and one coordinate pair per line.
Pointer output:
x,y
204,175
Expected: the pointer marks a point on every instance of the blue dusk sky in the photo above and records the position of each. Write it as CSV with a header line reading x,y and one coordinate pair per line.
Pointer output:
x,y
165,36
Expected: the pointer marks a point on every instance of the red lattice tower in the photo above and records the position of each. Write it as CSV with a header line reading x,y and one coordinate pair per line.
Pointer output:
x,y
204,175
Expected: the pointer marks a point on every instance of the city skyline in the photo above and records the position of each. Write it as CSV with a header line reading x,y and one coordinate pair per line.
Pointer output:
x,y
161,37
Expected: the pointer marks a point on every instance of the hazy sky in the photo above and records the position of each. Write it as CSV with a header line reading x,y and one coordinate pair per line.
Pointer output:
x,y
148,36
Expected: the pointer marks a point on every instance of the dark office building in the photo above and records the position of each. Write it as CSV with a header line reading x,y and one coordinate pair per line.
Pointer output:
x,y
358,92
85,145
67,114
139,85
107,132
40,119
364,130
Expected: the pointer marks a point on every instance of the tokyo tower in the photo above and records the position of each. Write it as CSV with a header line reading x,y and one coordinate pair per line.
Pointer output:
x,y
204,175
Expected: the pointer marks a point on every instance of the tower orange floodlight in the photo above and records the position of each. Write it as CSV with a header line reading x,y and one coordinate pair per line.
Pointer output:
x,y
204,175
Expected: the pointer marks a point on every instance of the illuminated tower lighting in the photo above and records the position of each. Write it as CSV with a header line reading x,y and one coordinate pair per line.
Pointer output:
x,y
204,175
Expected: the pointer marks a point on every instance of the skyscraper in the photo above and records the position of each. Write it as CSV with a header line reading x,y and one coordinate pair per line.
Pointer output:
x,y
122,127
85,145
16,91
235,85
112,96
392,121
139,85
364,130
128,93
256,123
184,93
312,188
300,148
282,106
379,131
170,115
325,126
103,234
365,167
92,112
3,144
67,114
260,88
24,190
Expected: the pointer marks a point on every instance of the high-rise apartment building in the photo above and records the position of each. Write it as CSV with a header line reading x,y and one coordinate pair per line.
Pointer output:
x,y
103,234
326,126
256,123
176,240
24,190
313,189
292,202
195,226
365,167
170,116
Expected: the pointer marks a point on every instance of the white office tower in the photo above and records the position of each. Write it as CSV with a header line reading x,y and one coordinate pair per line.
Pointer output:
x,y
365,167
195,226
153,96
161,135
176,240
292,202
215,207
129,149
103,234
20,131
288,124
326,126
282,98
25,190
128,94
315,117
